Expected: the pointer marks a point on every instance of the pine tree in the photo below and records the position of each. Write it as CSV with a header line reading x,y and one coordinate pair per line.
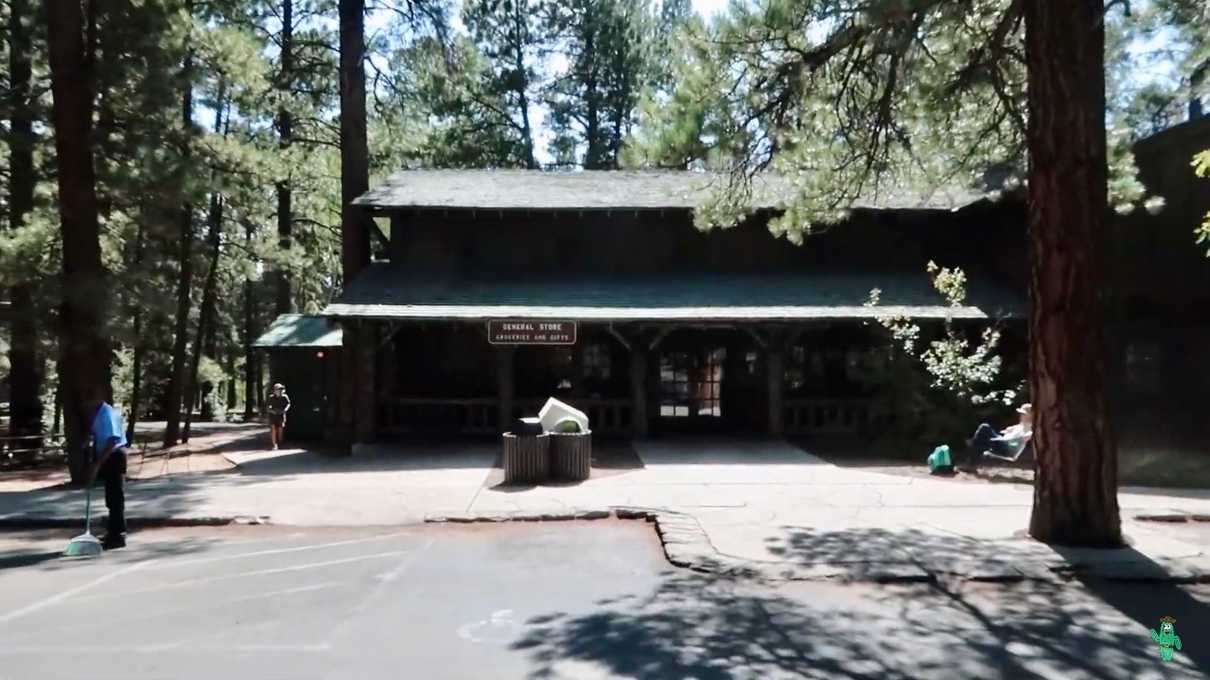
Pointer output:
x,y
25,363
608,47
85,350
502,87
886,97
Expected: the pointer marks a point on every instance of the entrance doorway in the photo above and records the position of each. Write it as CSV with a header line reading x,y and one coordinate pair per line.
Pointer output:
x,y
690,394
710,381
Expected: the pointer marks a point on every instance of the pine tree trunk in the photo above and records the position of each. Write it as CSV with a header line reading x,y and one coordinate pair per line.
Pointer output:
x,y
205,320
57,424
519,38
354,149
250,333
136,379
206,317
249,351
284,301
1075,492
26,368
84,348
354,166
230,379
176,381
136,363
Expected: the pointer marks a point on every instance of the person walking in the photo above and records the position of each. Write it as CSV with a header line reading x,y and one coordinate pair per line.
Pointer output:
x,y
278,403
109,463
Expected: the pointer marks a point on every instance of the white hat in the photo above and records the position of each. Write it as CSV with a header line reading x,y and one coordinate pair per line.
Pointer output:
x,y
1025,409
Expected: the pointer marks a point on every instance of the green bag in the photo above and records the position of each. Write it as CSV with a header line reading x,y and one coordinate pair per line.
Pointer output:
x,y
940,458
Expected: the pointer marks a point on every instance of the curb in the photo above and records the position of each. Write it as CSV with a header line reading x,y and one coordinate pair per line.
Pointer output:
x,y
1173,517
686,545
132,522
568,516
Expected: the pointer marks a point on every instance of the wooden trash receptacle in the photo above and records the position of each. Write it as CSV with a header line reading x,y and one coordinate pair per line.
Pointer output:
x,y
526,458
571,455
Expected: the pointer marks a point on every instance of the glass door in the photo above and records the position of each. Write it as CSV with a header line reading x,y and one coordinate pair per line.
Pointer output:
x,y
690,387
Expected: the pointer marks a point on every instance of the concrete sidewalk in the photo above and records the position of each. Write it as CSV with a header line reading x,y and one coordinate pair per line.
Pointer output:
x,y
721,505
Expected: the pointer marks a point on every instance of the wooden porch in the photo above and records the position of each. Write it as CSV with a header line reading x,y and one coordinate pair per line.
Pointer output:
x,y
455,382
612,417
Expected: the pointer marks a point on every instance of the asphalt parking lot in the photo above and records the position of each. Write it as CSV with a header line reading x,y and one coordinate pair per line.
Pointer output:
x,y
579,600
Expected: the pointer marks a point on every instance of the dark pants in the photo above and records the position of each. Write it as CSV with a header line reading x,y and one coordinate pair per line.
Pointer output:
x,y
113,473
984,440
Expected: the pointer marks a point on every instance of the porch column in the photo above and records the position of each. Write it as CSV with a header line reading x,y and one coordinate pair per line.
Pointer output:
x,y
505,385
365,414
638,390
775,372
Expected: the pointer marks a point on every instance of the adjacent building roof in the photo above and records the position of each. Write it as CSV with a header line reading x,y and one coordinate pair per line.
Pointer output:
x,y
392,292
300,330
608,190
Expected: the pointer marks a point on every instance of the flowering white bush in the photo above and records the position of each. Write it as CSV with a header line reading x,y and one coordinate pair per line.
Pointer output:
x,y
969,373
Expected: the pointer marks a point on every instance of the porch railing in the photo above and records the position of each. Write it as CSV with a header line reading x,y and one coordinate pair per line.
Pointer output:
x,y
464,416
479,415
26,448
829,416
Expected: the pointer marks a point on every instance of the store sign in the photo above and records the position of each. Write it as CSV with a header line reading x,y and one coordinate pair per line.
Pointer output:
x,y
523,332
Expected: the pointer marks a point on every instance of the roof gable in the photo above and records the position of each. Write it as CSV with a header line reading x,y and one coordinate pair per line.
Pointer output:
x,y
300,330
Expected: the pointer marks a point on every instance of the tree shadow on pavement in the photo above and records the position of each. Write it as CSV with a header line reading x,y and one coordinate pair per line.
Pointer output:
x,y
20,558
711,628
1145,603
140,546
176,496
381,457
932,550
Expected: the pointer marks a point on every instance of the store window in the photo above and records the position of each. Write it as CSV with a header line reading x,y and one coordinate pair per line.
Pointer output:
x,y
596,362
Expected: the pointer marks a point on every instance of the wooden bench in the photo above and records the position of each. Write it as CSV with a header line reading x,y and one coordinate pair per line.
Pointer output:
x,y
28,448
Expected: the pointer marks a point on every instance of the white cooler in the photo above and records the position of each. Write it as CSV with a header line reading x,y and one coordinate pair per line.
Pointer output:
x,y
554,411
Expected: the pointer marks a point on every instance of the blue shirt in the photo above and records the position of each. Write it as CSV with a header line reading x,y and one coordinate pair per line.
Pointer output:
x,y
108,425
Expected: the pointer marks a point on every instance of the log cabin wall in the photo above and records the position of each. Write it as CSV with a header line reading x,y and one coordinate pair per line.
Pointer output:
x,y
1159,299
491,243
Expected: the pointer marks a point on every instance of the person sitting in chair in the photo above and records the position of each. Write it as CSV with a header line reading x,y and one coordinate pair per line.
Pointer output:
x,y
1007,444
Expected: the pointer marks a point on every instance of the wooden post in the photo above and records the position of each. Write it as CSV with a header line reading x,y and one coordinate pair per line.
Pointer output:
x,y
775,376
345,383
365,413
638,390
505,385
388,373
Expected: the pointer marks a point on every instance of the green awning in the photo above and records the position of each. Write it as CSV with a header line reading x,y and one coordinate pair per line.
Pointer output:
x,y
300,330
384,291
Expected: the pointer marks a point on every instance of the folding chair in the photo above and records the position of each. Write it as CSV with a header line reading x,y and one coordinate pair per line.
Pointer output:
x,y
1011,459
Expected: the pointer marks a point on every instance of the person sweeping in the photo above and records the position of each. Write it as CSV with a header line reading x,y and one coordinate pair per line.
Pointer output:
x,y
109,463
278,404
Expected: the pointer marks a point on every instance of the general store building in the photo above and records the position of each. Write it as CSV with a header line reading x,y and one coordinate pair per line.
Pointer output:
x,y
648,324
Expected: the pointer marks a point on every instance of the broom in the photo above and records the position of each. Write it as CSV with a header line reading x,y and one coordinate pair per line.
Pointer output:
x,y
85,545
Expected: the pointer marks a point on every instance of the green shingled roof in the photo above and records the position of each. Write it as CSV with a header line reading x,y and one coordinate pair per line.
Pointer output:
x,y
612,190
393,292
300,330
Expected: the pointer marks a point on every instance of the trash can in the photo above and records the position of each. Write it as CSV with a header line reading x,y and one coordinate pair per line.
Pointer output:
x,y
571,455
526,458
